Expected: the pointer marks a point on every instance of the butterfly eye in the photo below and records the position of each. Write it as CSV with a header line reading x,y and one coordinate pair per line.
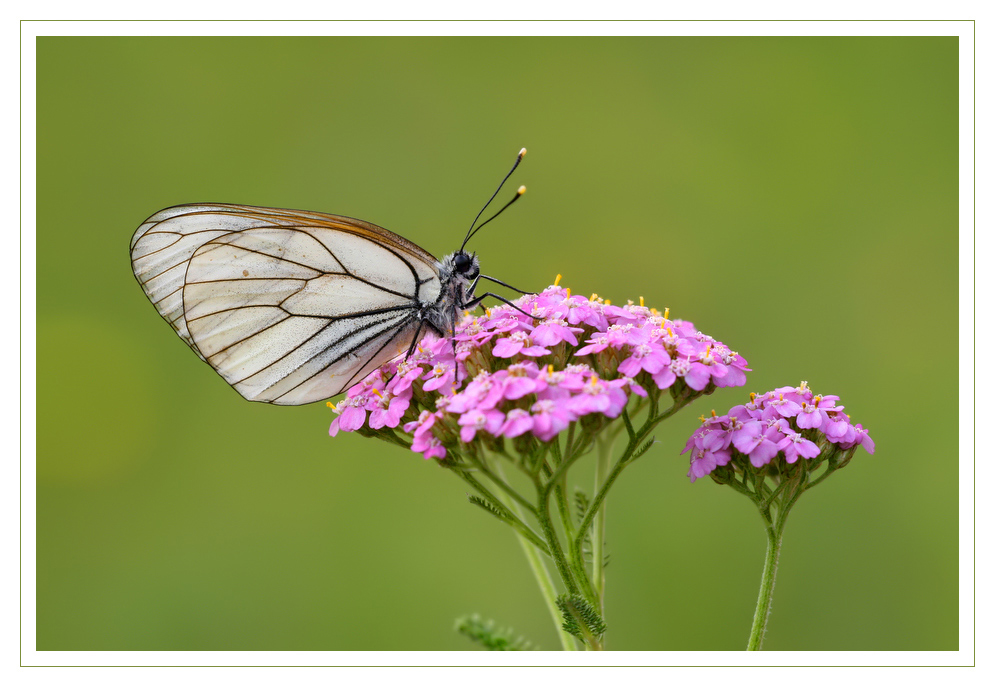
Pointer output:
x,y
462,262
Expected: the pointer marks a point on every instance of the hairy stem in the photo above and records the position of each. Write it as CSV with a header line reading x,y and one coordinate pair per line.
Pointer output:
x,y
514,520
762,613
636,439
787,494
553,541
598,534
576,557
543,579
502,484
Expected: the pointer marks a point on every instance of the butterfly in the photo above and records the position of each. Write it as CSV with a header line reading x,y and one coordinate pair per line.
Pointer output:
x,y
291,306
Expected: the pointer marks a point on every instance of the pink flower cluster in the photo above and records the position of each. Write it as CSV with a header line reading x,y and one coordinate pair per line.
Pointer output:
x,y
506,374
784,421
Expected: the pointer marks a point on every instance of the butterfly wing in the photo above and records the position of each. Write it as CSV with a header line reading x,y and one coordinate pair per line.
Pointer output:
x,y
289,306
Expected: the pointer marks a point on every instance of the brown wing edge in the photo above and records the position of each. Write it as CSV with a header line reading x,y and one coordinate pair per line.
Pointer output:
x,y
311,218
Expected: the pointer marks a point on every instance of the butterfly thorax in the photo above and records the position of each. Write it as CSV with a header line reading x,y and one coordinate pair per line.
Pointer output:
x,y
457,273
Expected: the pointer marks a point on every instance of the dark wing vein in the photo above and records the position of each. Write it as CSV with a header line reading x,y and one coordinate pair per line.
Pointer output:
x,y
398,329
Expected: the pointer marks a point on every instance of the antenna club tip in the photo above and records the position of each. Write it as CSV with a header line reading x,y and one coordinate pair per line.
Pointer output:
x,y
521,153
521,190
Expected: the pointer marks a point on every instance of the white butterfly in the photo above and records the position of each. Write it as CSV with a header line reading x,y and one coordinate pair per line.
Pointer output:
x,y
290,306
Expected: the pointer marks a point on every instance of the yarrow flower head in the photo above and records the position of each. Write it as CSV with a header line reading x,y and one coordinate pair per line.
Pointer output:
x,y
506,375
772,433
772,450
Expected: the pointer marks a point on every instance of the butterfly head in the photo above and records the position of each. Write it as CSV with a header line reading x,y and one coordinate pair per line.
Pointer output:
x,y
466,265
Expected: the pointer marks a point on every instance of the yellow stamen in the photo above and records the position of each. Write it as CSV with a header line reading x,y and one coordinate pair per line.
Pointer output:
x,y
550,368
594,296
377,392
568,293
607,302
713,413
666,313
642,303
753,397
556,282
330,405
702,418
816,400
488,311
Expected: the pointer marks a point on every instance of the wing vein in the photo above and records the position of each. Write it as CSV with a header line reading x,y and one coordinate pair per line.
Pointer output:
x,y
317,333
400,328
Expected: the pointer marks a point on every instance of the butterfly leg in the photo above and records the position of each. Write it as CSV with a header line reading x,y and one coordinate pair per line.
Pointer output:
x,y
473,303
498,281
414,341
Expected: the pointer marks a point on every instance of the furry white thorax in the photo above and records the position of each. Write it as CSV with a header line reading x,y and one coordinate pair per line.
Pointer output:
x,y
456,290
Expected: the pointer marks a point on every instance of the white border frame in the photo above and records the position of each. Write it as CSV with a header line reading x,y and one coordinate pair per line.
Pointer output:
x,y
29,656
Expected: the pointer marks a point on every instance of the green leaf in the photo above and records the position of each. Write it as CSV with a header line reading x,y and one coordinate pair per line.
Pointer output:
x,y
487,634
488,506
579,617
643,449
582,502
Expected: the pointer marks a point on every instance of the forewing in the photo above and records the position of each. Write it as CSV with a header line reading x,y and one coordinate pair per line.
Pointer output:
x,y
289,307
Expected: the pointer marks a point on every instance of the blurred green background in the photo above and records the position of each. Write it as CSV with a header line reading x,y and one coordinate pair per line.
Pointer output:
x,y
796,198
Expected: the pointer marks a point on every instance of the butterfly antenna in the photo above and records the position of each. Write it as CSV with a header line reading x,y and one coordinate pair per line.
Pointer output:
x,y
518,194
470,232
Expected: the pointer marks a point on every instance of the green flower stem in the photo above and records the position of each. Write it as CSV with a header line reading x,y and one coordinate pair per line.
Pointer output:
x,y
570,439
560,492
598,535
545,582
554,450
781,501
759,630
539,464
578,582
548,592
552,541
829,470
738,486
576,557
628,425
504,486
635,441
599,499
562,466
774,494
514,520
386,434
